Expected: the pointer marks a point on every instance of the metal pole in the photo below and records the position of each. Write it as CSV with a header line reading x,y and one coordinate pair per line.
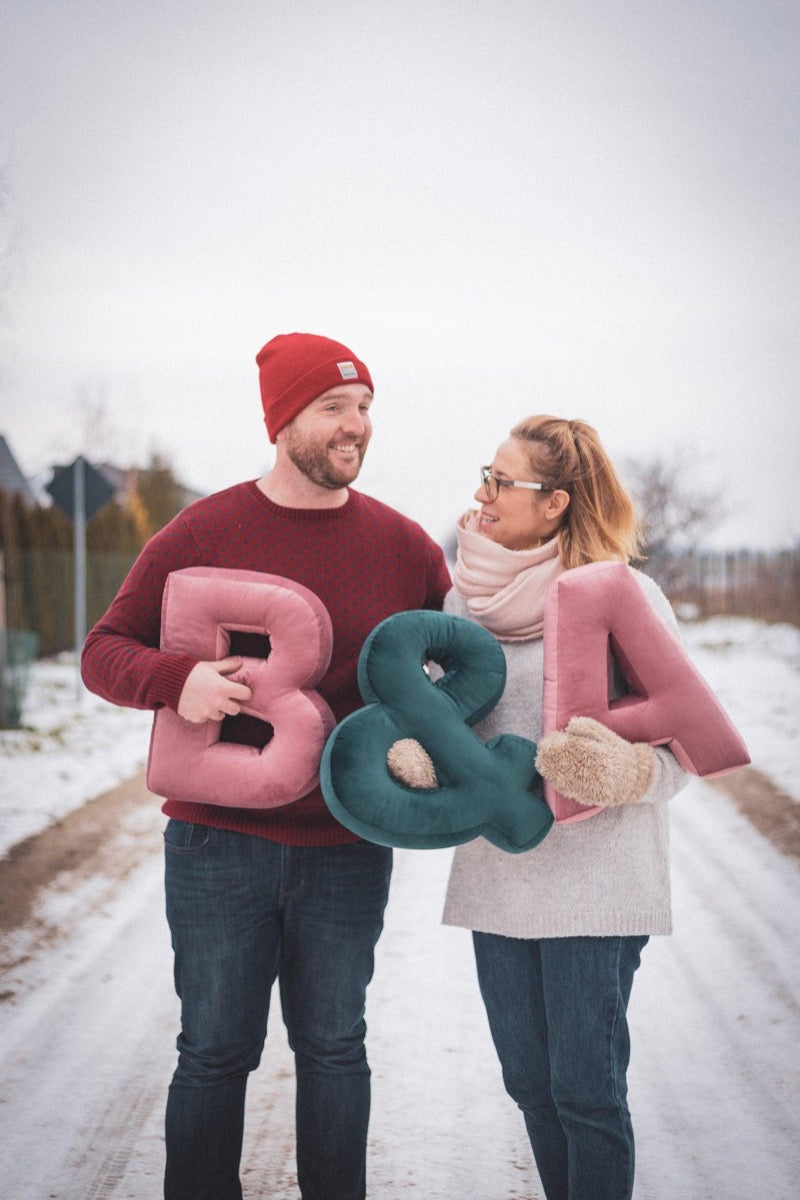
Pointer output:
x,y
5,706
79,497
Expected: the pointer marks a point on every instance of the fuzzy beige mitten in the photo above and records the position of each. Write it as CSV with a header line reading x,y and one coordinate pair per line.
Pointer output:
x,y
410,762
591,764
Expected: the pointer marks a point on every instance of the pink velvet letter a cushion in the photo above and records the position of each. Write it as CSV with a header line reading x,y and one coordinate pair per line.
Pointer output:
x,y
202,608
597,615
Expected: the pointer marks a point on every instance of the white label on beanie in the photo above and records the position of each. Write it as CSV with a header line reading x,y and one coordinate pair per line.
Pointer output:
x,y
347,370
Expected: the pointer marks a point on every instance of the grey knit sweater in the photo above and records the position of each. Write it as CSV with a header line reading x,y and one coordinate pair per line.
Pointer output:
x,y
606,875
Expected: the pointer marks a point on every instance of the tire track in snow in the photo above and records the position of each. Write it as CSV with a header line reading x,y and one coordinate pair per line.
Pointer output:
x,y
715,1017
85,1052
87,1044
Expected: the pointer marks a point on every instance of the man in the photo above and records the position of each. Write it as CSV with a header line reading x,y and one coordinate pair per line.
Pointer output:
x,y
287,893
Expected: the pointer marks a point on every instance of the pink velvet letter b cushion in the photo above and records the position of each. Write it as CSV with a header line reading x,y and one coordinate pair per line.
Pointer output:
x,y
596,617
203,608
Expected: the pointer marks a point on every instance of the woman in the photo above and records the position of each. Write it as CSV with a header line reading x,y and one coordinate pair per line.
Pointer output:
x,y
558,931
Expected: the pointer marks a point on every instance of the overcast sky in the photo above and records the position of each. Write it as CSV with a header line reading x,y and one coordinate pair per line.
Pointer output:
x,y
585,207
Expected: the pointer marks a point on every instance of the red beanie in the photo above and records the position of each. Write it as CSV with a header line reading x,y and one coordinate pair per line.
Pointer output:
x,y
295,368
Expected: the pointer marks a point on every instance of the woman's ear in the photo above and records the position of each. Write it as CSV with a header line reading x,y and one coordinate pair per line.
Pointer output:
x,y
557,504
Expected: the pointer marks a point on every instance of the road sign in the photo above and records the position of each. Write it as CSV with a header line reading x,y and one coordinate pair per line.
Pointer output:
x,y
80,491
97,491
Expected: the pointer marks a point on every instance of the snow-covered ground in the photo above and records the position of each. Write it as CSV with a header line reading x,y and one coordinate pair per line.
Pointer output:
x,y
89,1017
74,746
755,670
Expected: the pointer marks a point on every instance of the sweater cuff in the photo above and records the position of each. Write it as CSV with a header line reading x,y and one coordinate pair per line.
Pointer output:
x,y
170,674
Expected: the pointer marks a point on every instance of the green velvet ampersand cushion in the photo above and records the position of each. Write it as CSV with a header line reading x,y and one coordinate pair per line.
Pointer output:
x,y
487,789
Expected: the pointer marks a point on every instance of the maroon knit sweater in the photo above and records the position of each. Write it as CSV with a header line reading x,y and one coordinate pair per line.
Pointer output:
x,y
364,560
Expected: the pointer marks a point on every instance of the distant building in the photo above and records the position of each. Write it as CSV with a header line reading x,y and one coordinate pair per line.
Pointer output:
x,y
125,479
12,480
34,491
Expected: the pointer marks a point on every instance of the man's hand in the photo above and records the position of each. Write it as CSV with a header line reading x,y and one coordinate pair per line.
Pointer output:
x,y
208,694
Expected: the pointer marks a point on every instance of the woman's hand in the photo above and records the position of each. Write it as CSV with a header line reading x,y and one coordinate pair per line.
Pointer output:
x,y
591,764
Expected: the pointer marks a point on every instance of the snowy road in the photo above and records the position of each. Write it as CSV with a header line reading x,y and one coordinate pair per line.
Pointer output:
x,y
89,1017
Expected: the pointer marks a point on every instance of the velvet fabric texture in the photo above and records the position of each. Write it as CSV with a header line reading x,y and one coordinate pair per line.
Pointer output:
x,y
609,657
466,788
203,607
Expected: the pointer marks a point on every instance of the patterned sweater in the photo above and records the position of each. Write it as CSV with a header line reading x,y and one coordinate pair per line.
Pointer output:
x,y
606,875
364,560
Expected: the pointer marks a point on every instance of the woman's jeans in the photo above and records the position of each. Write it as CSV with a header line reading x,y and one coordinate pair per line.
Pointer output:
x,y
557,1013
243,911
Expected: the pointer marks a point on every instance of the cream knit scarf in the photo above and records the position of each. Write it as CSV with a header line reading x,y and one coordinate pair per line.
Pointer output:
x,y
504,589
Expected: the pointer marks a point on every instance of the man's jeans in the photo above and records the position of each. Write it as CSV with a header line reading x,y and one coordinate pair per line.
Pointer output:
x,y
243,911
557,1012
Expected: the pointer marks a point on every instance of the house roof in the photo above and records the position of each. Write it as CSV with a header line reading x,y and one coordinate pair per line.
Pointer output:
x,y
11,478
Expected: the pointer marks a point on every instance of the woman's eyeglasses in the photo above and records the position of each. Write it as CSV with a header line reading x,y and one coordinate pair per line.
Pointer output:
x,y
492,484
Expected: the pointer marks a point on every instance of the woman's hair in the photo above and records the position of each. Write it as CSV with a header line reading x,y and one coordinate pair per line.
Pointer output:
x,y
600,521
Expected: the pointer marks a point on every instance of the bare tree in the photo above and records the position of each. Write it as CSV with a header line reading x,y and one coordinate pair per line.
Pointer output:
x,y
677,507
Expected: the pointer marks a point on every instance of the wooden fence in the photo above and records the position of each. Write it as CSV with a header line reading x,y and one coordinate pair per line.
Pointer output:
x,y
760,584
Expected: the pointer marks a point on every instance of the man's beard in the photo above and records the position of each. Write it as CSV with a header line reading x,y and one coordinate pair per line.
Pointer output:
x,y
314,463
